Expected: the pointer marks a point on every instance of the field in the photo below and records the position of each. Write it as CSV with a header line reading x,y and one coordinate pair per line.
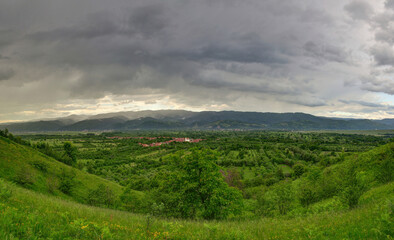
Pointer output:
x,y
229,185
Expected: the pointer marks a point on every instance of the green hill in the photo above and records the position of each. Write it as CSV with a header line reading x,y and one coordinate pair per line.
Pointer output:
x,y
36,171
32,213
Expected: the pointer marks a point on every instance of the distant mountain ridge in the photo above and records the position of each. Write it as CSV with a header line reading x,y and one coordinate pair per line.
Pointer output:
x,y
181,119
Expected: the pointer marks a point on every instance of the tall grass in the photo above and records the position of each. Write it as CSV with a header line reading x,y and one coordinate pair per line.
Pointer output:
x,y
30,215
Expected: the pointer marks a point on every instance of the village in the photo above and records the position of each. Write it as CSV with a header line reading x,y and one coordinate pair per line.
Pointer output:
x,y
156,144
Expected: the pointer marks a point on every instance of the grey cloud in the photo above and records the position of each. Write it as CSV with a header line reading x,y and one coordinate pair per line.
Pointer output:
x,y
382,25
308,101
386,35
359,10
385,85
6,74
389,4
245,51
4,57
193,52
383,54
94,29
368,104
327,52
148,20
315,16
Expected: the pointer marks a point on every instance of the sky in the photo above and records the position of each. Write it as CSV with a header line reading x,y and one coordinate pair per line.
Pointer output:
x,y
331,58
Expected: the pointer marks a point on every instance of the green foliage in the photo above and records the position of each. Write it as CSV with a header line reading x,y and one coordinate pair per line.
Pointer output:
x,y
102,196
283,196
5,191
67,181
25,176
355,184
386,169
185,182
276,201
135,201
52,184
298,169
310,188
196,188
34,170
70,152
308,193
28,215
41,166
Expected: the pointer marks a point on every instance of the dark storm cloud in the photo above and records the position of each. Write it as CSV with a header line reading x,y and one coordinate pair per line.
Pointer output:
x,y
148,20
97,26
249,55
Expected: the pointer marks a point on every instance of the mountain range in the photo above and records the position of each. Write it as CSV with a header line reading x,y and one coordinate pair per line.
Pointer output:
x,y
181,119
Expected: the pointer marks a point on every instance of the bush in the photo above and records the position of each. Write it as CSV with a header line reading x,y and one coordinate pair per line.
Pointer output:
x,y
277,201
5,191
24,176
386,169
102,196
355,186
135,201
43,167
52,184
66,181
298,169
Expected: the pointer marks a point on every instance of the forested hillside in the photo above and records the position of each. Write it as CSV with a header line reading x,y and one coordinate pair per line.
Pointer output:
x,y
207,120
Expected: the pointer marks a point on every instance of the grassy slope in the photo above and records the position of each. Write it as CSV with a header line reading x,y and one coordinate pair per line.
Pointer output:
x,y
31,215
15,158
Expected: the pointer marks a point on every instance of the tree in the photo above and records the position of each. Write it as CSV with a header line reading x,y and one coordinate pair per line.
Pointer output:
x,y
196,188
70,152
298,169
66,181
233,178
102,196
283,195
355,184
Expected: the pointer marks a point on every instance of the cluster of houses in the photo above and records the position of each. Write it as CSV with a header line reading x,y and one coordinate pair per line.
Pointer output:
x,y
170,141
117,137
148,138
156,144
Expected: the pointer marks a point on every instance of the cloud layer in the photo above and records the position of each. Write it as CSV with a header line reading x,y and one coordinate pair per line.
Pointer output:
x,y
324,58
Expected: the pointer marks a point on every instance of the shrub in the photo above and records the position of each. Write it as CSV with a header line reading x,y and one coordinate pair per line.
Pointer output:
x,y
386,169
43,167
298,169
66,181
52,184
102,196
355,186
5,191
24,176
135,201
283,195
